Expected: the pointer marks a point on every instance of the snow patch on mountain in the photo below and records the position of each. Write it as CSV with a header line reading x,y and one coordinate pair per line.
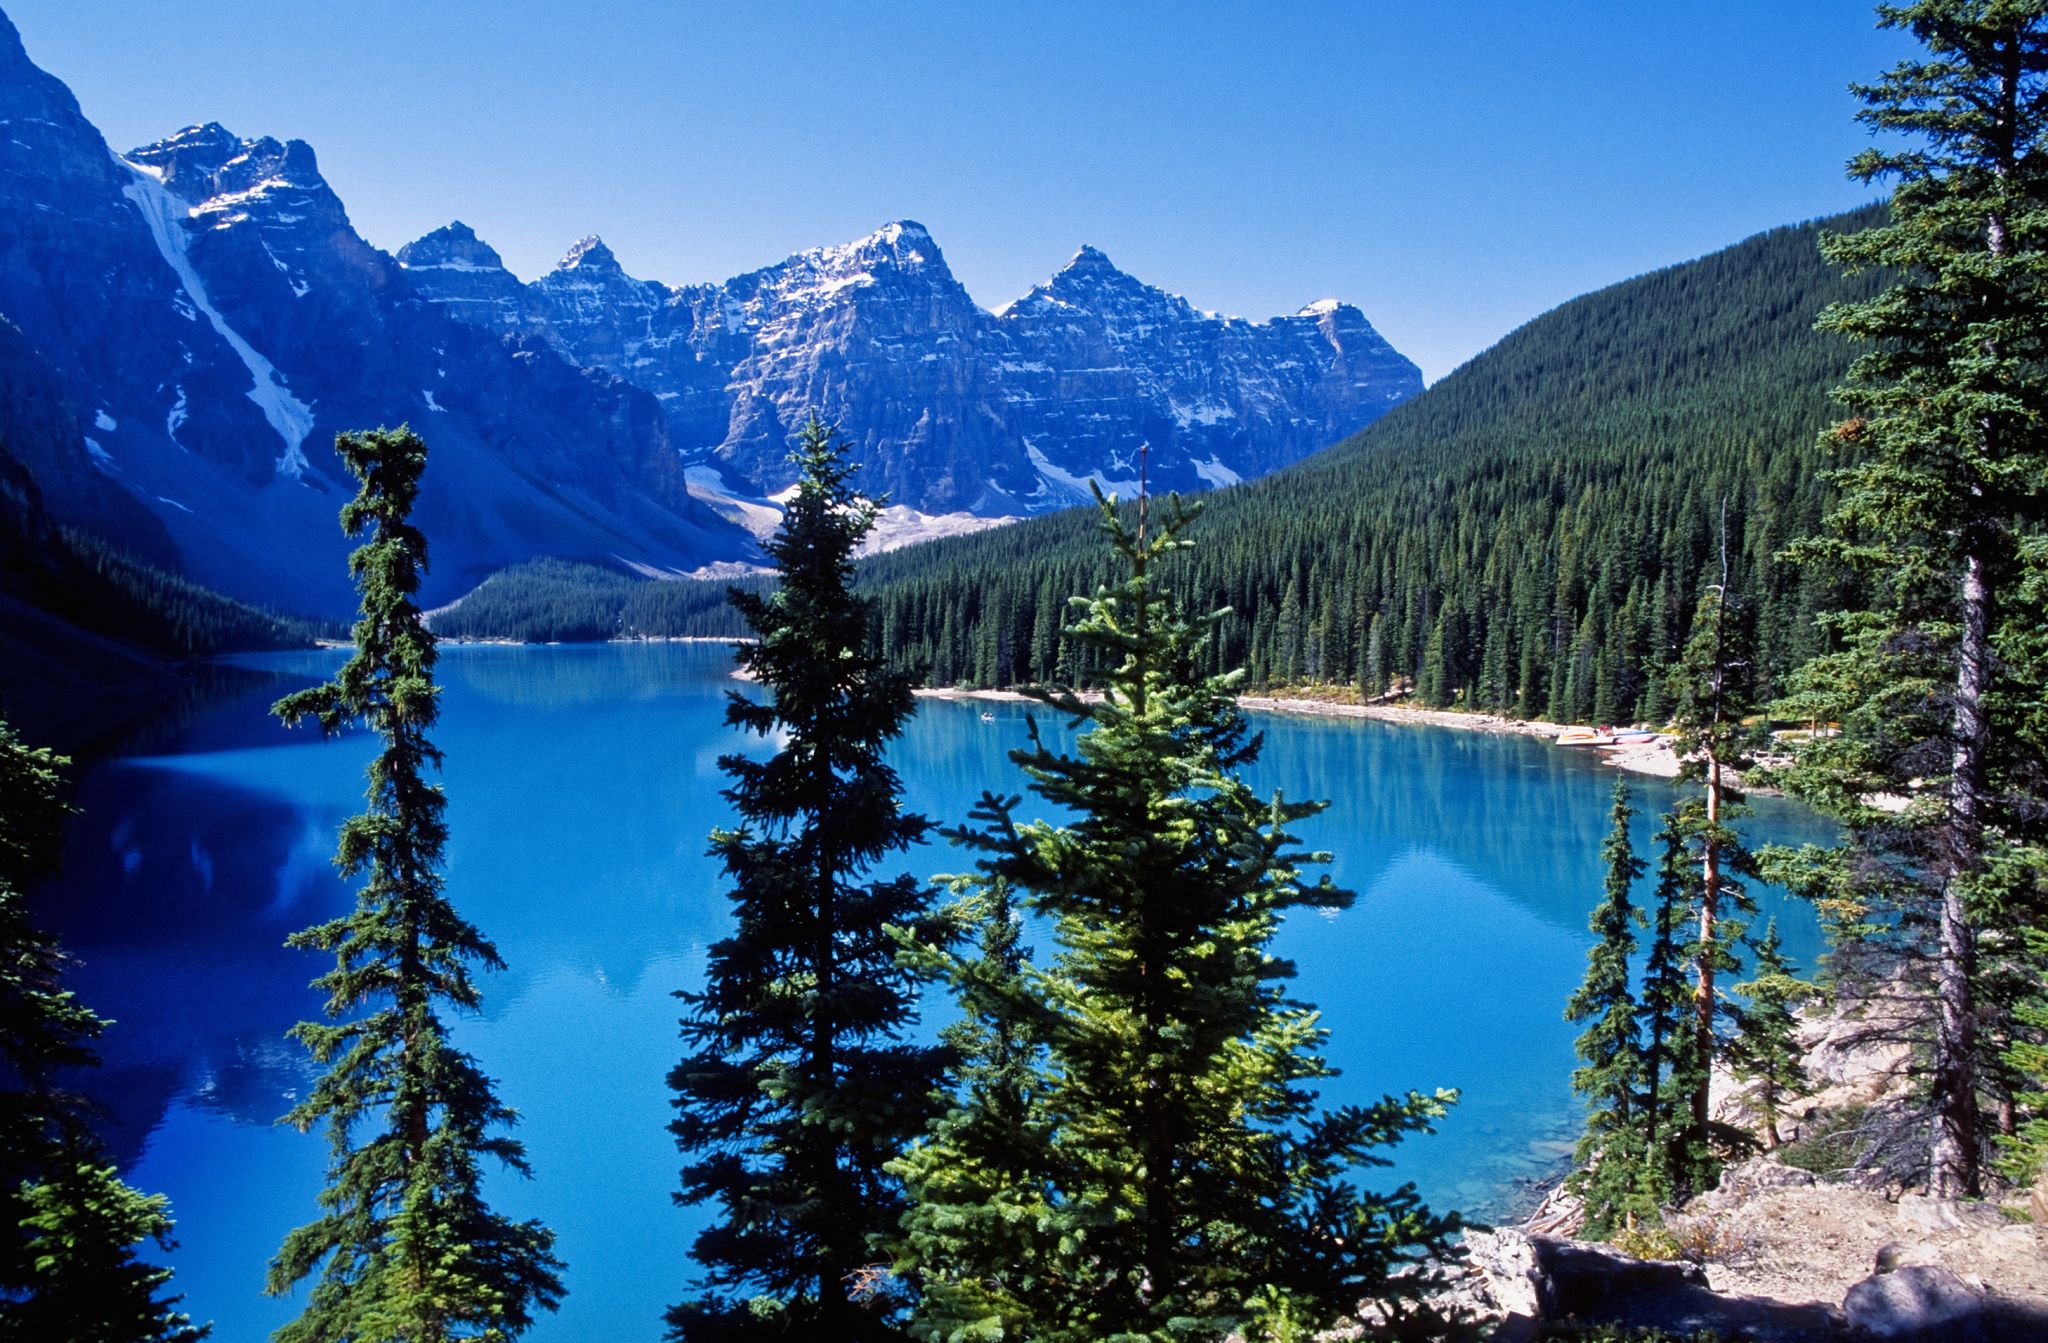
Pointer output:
x,y
165,216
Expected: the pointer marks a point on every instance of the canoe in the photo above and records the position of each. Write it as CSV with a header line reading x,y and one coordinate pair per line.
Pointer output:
x,y
1584,736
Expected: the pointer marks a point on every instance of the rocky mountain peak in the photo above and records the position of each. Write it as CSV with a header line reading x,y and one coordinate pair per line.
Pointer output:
x,y
451,247
592,257
203,163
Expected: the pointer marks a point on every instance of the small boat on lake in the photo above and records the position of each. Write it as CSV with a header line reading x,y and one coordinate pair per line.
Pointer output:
x,y
1585,736
1635,736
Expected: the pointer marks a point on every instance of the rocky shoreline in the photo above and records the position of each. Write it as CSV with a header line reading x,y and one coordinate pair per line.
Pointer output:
x,y
1654,758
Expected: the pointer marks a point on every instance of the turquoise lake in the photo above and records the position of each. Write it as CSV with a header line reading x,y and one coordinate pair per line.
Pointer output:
x,y
582,781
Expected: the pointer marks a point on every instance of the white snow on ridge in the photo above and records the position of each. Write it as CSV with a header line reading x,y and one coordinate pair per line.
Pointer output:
x,y
289,416
896,526
1217,474
1067,484
105,422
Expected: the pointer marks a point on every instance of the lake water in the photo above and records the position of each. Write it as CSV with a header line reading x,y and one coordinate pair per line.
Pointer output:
x,y
582,781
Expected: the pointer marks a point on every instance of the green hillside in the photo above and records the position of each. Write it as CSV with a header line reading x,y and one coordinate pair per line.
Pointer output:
x,y
1525,537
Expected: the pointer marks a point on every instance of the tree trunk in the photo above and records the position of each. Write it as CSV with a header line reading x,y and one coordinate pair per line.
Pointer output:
x,y
1704,991
1953,1166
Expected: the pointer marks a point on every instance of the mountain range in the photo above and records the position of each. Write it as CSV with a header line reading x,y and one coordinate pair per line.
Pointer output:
x,y
185,326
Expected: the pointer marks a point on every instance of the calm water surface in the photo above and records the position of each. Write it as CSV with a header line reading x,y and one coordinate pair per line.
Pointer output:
x,y
582,781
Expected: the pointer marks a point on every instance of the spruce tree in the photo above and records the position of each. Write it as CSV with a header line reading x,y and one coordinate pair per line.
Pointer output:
x,y
1612,1152
69,1226
980,1242
1192,1188
1765,1051
405,1246
1946,471
1674,1164
800,1084
1711,686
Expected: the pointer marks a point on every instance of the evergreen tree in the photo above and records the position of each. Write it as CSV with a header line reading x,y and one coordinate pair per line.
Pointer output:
x,y
1612,1152
1766,1047
1711,689
1193,1189
979,1242
405,1246
1947,471
800,1085
1675,1166
69,1226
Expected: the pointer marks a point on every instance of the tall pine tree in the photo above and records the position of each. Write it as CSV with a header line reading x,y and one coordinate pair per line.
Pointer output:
x,y
800,1085
1612,1153
1712,687
405,1246
1192,1188
69,1226
1947,472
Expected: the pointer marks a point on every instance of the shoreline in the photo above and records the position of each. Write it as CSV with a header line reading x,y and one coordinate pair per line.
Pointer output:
x,y
1656,758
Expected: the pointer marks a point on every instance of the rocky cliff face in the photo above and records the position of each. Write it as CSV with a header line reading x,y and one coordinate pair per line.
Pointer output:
x,y
209,320
948,407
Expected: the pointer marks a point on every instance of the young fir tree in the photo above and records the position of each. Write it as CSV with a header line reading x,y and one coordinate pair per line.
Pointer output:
x,y
1612,1153
1674,1164
1711,686
69,1226
1947,471
405,1246
979,1244
801,1085
1765,1051
1189,1186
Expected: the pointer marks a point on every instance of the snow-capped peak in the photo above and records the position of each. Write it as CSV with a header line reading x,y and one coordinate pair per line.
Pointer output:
x,y
590,254
1322,307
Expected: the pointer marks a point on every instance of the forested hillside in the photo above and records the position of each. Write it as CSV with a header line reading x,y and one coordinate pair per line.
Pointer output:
x,y
1529,536
79,615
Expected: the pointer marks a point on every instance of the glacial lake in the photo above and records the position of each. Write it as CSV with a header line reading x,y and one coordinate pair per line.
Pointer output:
x,y
582,781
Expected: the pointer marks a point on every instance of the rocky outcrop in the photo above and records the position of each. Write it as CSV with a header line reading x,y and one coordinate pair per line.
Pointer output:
x,y
1781,1255
948,407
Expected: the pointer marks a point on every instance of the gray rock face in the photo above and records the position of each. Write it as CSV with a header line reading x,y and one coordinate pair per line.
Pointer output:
x,y
949,407
208,320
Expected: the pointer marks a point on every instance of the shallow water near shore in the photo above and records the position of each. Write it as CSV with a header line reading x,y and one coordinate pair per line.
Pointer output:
x,y
582,781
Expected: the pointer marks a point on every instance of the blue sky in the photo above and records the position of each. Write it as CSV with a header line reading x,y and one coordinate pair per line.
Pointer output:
x,y
1452,168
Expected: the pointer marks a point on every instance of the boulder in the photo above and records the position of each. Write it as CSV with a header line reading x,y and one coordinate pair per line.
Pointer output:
x,y
1919,1301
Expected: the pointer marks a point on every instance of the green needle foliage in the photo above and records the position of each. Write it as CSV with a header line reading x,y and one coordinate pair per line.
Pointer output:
x,y
981,1241
1672,1072
1179,1181
69,1226
1936,772
1612,1153
405,1246
1765,1052
800,1086
1712,690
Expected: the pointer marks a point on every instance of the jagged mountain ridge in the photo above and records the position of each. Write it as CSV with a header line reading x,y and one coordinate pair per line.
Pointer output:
x,y
948,407
188,324
203,319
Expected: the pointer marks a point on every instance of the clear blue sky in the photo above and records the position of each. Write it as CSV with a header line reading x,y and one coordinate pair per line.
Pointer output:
x,y
1452,168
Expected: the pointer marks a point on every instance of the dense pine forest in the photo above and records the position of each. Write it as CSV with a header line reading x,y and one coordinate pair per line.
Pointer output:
x,y
1527,537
